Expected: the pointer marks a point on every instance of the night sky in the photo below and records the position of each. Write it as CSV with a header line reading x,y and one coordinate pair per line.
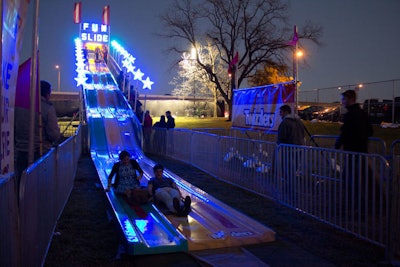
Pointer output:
x,y
360,42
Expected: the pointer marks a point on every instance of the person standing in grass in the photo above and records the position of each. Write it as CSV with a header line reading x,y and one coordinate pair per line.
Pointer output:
x,y
354,134
356,128
291,129
170,120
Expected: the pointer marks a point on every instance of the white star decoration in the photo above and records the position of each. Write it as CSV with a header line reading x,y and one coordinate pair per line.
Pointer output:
x,y
80,80
130,68
138,75
147,83
80,65
128,62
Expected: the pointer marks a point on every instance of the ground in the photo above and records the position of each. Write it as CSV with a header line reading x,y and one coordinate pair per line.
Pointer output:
x,y
85,235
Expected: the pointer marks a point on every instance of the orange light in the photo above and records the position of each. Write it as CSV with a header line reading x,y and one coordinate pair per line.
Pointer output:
x,y
299,53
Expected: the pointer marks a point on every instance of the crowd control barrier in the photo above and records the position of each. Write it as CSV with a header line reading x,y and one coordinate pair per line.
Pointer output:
x,y
355,192
29,213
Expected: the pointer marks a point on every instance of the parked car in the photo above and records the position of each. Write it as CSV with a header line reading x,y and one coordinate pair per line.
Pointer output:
x,y
310,112
330,114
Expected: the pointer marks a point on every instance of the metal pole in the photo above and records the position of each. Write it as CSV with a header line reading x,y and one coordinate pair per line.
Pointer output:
x,y
393,102
144,108
35,45
295,65
1,76
59,79
194,92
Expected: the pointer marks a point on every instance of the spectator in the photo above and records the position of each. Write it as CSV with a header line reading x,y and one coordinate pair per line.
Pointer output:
x,y
167,192
121,81
147,124
104,51
354,134
127,182
291,129
97,54
356,128
51,132
161,123
160,135
170,120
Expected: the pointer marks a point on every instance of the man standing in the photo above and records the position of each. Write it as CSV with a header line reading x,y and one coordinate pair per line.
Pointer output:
x,y
51,131
291,129
170,120
356,126
353,137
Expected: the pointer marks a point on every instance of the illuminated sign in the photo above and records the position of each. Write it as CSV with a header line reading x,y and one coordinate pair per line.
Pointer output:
x,y
93,32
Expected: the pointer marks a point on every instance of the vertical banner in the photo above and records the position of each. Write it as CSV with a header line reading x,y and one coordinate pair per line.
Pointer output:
x,y
258,108
77,12
106,15
14,17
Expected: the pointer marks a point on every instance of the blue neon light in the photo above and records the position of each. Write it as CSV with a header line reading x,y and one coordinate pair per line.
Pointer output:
x,y
129,231
80,63
128,62
141,225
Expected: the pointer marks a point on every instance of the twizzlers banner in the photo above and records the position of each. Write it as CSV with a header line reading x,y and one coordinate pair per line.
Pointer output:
x,y
258,108
14,16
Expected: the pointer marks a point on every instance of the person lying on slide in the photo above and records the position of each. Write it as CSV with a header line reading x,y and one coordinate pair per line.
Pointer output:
x,y
166,191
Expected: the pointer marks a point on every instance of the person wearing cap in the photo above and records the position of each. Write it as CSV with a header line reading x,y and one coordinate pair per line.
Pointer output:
x,y
51,132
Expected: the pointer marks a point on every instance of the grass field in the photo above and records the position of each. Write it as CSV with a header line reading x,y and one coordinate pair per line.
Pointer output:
x,y
323,128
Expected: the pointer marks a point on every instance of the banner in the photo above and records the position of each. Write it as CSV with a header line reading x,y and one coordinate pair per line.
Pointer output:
x,y
77,12
106,15
14,18
22,96
258,108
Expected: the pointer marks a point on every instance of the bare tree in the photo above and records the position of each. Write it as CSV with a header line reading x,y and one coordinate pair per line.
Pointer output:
x,y
255,29
269,75
192,80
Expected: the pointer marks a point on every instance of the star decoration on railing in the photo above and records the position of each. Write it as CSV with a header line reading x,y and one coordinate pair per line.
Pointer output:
x,y
128,63
80,64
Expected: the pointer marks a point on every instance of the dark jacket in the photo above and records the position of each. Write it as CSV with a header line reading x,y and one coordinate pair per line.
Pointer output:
x,y
291,131
355,130
115,170
170,122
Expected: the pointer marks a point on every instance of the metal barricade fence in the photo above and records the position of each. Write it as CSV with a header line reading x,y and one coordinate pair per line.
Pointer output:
x,y
158,142
252,134
347,190
204,151
37,205
9,222
217,131
375,144
179,141
44,190
247,163
394,242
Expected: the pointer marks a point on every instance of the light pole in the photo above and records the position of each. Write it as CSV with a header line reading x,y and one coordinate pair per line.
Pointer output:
x,y
59,77
296,55
193,58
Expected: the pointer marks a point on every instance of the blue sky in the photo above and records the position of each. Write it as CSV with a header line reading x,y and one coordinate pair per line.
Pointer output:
x,y
360,41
